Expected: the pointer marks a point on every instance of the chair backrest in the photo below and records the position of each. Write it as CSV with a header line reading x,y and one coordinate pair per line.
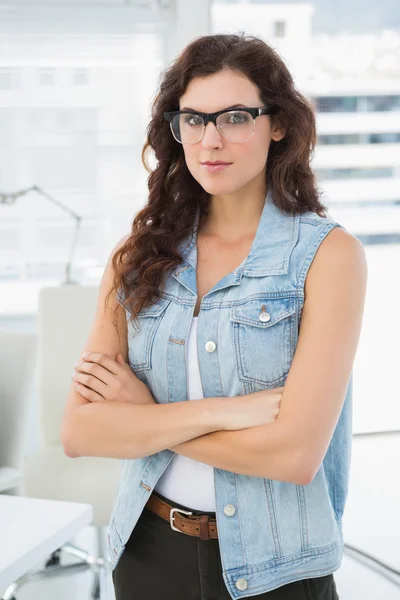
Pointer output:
x,y
18,363
65,316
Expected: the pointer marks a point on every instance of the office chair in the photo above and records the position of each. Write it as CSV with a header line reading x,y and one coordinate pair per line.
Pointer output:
x,y
65,315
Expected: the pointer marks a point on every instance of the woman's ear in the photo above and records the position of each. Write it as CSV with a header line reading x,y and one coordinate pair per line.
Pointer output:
x,y
277,132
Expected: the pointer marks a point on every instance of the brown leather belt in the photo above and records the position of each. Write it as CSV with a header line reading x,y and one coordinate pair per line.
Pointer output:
x,y
202,526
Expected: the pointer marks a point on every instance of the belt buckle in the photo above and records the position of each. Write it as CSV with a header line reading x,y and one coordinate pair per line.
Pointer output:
x,y
171,518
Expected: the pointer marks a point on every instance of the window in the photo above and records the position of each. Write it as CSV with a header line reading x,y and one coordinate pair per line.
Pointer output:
x,y
336,103
357,138
384,138
328,139
357,103
383,103
354,173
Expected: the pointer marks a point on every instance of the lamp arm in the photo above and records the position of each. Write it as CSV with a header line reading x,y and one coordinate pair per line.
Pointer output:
x,y
11,198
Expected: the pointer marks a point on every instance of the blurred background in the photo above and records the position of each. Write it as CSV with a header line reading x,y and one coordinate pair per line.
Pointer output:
x,y
77,79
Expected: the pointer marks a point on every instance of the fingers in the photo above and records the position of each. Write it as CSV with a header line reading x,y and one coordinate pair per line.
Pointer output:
x,y
95,370
103,360
91,382
88,393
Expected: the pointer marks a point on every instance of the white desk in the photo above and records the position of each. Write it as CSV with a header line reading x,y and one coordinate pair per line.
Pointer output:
x,y
32,528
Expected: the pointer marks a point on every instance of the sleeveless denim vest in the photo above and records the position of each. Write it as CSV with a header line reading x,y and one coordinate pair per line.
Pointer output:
x,y
277,532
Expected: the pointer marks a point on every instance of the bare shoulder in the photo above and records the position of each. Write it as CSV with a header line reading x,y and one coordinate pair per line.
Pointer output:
x,y
339,242
340,259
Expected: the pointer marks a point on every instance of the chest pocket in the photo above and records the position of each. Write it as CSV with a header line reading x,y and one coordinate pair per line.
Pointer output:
x,y
141,334
264,338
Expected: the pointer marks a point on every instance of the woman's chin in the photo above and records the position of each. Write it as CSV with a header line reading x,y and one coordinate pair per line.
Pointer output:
x,y
217,188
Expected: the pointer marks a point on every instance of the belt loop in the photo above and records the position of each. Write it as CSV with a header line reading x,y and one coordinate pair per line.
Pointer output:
x,y
204,534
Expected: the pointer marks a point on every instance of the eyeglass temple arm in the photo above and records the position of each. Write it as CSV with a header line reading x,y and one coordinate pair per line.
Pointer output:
x,y
269,109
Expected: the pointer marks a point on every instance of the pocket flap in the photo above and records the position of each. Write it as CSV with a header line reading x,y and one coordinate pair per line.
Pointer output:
x,y
263,313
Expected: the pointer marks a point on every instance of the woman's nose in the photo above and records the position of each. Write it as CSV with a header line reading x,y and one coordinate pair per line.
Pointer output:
x,y
212,136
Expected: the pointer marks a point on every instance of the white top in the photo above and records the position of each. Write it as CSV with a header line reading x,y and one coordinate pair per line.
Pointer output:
x,y
32,528
185,480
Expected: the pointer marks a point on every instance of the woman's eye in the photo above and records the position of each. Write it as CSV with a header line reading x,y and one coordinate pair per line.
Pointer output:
x,y
194,120
237,118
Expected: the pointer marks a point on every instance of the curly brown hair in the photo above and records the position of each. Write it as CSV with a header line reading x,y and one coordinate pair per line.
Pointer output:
x,y
174,197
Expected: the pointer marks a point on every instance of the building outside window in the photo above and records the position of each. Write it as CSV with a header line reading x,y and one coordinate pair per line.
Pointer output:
x,y
279,28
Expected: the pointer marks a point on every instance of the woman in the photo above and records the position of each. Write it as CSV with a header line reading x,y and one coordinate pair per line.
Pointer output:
x,y
228,291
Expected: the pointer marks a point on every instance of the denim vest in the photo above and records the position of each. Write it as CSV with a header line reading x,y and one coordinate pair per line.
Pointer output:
x,y
270,532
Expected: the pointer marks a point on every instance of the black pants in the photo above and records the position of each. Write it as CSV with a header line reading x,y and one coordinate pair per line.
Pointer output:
x,y
159,563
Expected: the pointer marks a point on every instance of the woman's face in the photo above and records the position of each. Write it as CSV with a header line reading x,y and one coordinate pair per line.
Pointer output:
x,y
248,159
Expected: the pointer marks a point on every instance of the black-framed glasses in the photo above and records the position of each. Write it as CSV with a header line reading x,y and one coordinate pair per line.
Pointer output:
x,y
237,125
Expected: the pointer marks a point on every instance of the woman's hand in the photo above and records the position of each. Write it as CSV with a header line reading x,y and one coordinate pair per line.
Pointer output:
x,y
257,408
99,378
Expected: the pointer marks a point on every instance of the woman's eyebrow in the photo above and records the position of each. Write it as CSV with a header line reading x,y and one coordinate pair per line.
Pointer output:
x,y
227,108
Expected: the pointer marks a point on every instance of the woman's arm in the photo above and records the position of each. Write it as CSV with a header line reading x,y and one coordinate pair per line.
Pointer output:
x,y
121,429
128,430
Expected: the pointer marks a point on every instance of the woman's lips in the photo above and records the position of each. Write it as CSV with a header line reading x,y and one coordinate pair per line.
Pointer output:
x,y
215,168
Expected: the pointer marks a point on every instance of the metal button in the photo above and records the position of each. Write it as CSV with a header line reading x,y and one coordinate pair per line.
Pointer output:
x,y
210,346
241,584
229,510
264,317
